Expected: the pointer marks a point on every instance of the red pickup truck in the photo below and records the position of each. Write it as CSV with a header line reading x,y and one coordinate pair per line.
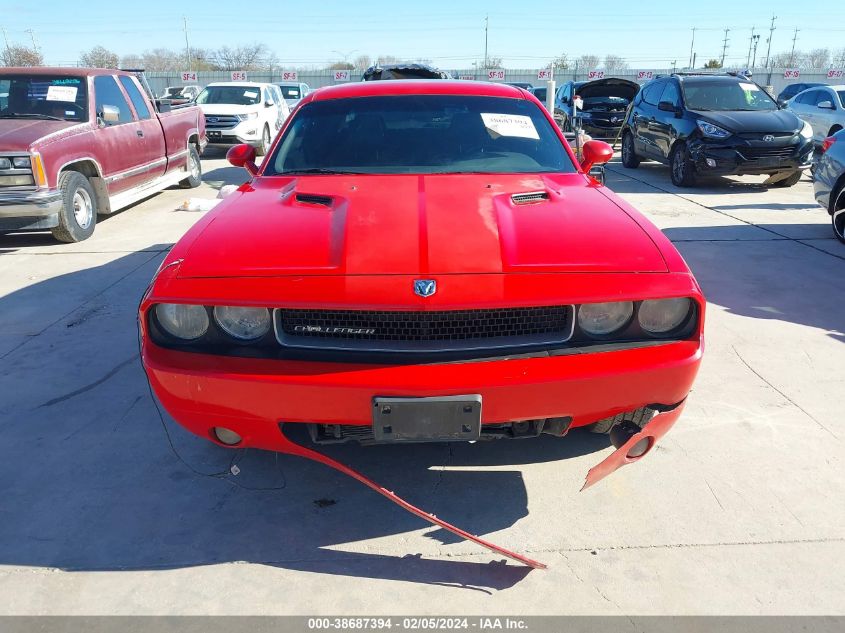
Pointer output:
x,y
76,142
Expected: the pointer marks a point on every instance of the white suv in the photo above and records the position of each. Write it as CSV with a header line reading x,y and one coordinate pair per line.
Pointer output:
x,y
243,112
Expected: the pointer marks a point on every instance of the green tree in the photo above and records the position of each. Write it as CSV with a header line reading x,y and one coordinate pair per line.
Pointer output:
x,y
713,63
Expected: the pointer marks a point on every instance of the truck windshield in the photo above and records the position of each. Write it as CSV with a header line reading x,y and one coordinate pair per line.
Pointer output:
x,y
60,98
230,95
290,92
420,134
727,96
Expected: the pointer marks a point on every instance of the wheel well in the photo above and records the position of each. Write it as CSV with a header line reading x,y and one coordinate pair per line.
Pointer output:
x,y
834,130
195,141
85,167
89,169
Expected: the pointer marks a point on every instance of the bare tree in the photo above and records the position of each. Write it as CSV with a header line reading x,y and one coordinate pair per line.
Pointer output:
x,y
839,58
362,62
613,63
248,57
494,62
787,59
587,62
381,60
341,66
17,55
203,59
818,58
561,62
99,57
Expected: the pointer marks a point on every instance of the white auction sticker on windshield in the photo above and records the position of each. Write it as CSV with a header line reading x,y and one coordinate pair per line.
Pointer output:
x,y
249,94
61,93
749,87
510,125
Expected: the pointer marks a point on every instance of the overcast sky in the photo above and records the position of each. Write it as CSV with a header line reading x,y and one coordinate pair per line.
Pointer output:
x,y
526,34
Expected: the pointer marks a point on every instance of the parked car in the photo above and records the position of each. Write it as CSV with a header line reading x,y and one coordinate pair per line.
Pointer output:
x,y
76,143
293,92
330,292
829,181
823,108
380,72
521,84
715,125
540,92
243,112
179,95
793,89
605,102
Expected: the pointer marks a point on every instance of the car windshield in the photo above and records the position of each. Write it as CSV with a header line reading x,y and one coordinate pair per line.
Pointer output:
x,y
290,92
173,92
230,95
540,93
59,98
420,134
727,96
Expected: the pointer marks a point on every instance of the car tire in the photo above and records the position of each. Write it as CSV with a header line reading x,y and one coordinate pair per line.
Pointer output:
x,y
78,215
194,169
629,155
789,181
681,168
640,417
837,216
262,149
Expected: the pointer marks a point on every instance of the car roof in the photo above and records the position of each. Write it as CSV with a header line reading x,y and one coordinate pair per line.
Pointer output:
x,y
229,84
416,87
60,70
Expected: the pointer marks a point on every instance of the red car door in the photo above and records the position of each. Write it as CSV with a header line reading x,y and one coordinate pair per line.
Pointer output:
x,y
152,137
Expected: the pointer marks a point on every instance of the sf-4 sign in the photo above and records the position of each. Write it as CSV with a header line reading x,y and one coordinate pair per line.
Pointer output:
x,y
495,75
544,75
238,75
791,73
188,76
290,75
341,75
595,74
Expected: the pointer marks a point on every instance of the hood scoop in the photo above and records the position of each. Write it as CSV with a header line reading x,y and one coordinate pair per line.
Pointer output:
x,y
529,197
312,198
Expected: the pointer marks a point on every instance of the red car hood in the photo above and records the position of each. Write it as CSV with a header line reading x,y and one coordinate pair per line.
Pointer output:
x,y
439,224
16,135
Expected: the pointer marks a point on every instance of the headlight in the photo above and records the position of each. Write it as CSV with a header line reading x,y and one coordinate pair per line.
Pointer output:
x,y
807,130
245,324
599,319
248,116
21,162
712,131
5,163
187,322
663,315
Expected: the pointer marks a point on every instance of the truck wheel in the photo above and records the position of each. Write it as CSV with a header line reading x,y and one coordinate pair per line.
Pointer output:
x,y
681,167
788,181
194,178
262,149
629,156
79,208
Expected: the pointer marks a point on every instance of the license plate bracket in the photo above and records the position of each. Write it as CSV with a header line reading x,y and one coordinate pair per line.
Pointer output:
x,y
428,419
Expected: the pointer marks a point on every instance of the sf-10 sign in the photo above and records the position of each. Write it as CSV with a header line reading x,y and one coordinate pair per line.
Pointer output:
x,y
645,75
238,75
544,75
290,75
187,76
341,75
791,73
495,75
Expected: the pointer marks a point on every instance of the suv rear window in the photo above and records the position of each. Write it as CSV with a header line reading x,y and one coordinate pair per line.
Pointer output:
x,y
43,97
726,96
420,134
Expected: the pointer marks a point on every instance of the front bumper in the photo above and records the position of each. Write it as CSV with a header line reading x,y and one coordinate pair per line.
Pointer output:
x,y
599,129
254,396
737,157
248,132
29,209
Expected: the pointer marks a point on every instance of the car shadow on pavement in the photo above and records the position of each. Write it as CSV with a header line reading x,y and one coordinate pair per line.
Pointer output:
x,y
94,480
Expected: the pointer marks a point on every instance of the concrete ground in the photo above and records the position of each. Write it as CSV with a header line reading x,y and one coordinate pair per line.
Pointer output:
x,y
740,510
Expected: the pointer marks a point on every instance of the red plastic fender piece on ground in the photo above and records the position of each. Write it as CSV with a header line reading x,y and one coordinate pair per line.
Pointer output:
x,y
655,429
292,448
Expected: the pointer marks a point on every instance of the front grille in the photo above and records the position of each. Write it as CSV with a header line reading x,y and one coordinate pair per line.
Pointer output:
x,y
221,122
753,153
453,329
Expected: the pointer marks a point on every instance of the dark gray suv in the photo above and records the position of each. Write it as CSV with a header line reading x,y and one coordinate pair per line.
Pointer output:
x,y
829,182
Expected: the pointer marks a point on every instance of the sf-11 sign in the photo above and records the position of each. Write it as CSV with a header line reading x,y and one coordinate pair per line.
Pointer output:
x,y
544,75
238,75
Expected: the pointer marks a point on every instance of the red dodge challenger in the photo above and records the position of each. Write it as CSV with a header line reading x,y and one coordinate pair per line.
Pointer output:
x,y
423,261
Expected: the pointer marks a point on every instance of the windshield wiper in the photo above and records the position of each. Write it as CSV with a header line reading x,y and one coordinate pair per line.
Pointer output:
x,y
317,170
29,115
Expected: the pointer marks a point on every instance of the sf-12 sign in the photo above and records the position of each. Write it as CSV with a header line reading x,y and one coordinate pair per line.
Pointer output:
x,y
595,74
341,75
290,75
645,75
186,77
495,75
544,75
835,73
791,73
238,75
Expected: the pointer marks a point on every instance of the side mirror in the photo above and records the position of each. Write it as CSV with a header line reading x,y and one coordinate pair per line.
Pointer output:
x,y
826,105
243,156
268,104
595,153
667,106
110,114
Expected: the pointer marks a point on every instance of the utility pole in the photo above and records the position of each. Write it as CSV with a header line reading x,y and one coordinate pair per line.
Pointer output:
x,y
32,35
187,46
771,32
692,44
486,24
674,66
792,54
725,46
8,52
756,41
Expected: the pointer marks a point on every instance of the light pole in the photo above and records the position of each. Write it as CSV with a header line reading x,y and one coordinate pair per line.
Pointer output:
x,y
346,55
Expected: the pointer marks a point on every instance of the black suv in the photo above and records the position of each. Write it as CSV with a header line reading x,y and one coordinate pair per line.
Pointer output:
x,y
715,124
